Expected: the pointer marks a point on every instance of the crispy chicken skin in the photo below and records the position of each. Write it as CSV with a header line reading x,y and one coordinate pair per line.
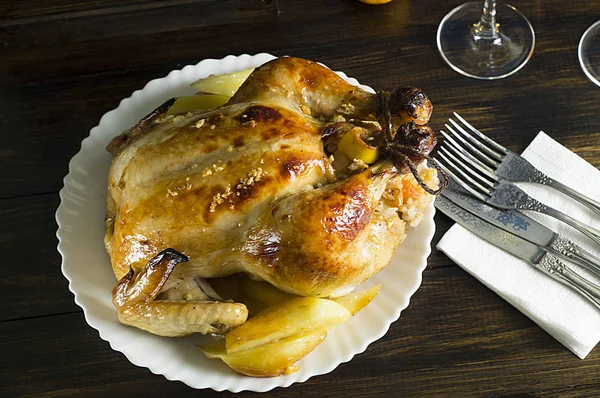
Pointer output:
x,y
247,187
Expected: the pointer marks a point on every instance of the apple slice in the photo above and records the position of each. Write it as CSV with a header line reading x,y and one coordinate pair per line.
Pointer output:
x,y
226,84
353,145
194,102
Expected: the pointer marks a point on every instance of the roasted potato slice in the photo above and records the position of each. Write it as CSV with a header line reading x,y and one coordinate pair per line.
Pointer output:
x,y
226,84
270,343
272,359
290,317
355,302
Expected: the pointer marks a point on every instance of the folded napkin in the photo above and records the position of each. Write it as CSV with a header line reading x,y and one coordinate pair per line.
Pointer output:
x,y
560,311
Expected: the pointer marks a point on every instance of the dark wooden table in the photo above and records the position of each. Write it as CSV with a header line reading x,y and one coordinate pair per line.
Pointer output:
x,y
64,63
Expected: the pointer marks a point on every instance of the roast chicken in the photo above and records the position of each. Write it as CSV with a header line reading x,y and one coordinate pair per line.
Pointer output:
x,y
256,186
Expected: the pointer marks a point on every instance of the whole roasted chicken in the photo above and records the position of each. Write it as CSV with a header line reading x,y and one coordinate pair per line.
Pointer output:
x,y
260,186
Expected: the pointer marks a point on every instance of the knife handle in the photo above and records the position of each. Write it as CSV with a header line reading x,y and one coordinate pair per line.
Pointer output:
x,y
584,200
570,251
557,270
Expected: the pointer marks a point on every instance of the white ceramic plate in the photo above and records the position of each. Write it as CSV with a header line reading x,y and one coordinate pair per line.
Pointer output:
x,y
86,265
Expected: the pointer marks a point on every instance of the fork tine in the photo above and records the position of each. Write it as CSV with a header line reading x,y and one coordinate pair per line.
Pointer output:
x,y
474,184
474,151
473,161
479,134
477,144
461,183
463,166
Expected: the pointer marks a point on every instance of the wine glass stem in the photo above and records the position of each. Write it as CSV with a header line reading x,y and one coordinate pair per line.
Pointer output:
x,y
486,28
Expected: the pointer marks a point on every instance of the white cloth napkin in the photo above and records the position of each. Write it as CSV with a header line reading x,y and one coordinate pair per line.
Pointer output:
x,y
561,312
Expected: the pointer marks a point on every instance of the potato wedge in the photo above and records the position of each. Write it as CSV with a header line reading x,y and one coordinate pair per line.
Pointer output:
x,y
355,302
264,292
194,102
290,317
226,84
272,359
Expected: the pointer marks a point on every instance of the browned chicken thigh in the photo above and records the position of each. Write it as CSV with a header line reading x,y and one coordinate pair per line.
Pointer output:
x,y
250,187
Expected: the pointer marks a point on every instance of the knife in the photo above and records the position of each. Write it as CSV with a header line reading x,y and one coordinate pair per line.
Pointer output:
x,y
533,254
527,228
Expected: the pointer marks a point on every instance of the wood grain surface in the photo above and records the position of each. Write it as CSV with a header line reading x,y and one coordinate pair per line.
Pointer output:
x,y
64,63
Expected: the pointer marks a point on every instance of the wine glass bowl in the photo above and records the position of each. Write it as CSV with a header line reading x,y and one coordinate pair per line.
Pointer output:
x,y
477,44
588,53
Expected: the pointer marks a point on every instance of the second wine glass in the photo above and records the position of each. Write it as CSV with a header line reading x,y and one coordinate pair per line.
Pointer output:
x,y
589,53
473,42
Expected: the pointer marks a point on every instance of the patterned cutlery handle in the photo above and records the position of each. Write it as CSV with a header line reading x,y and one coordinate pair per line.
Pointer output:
x,y
516,169
557,270
570,251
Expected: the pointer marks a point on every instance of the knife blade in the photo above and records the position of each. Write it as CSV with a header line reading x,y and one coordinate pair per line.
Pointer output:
x,y
525,227
533,254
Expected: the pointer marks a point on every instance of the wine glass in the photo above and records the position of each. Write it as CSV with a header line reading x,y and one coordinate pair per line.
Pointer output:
x,y
477,45
589,52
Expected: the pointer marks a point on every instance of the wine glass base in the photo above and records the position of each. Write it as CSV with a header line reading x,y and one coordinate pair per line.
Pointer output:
x,y
588,53
485,59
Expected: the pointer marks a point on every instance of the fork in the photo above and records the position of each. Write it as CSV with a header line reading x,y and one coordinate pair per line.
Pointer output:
x,y
481,182
506,164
